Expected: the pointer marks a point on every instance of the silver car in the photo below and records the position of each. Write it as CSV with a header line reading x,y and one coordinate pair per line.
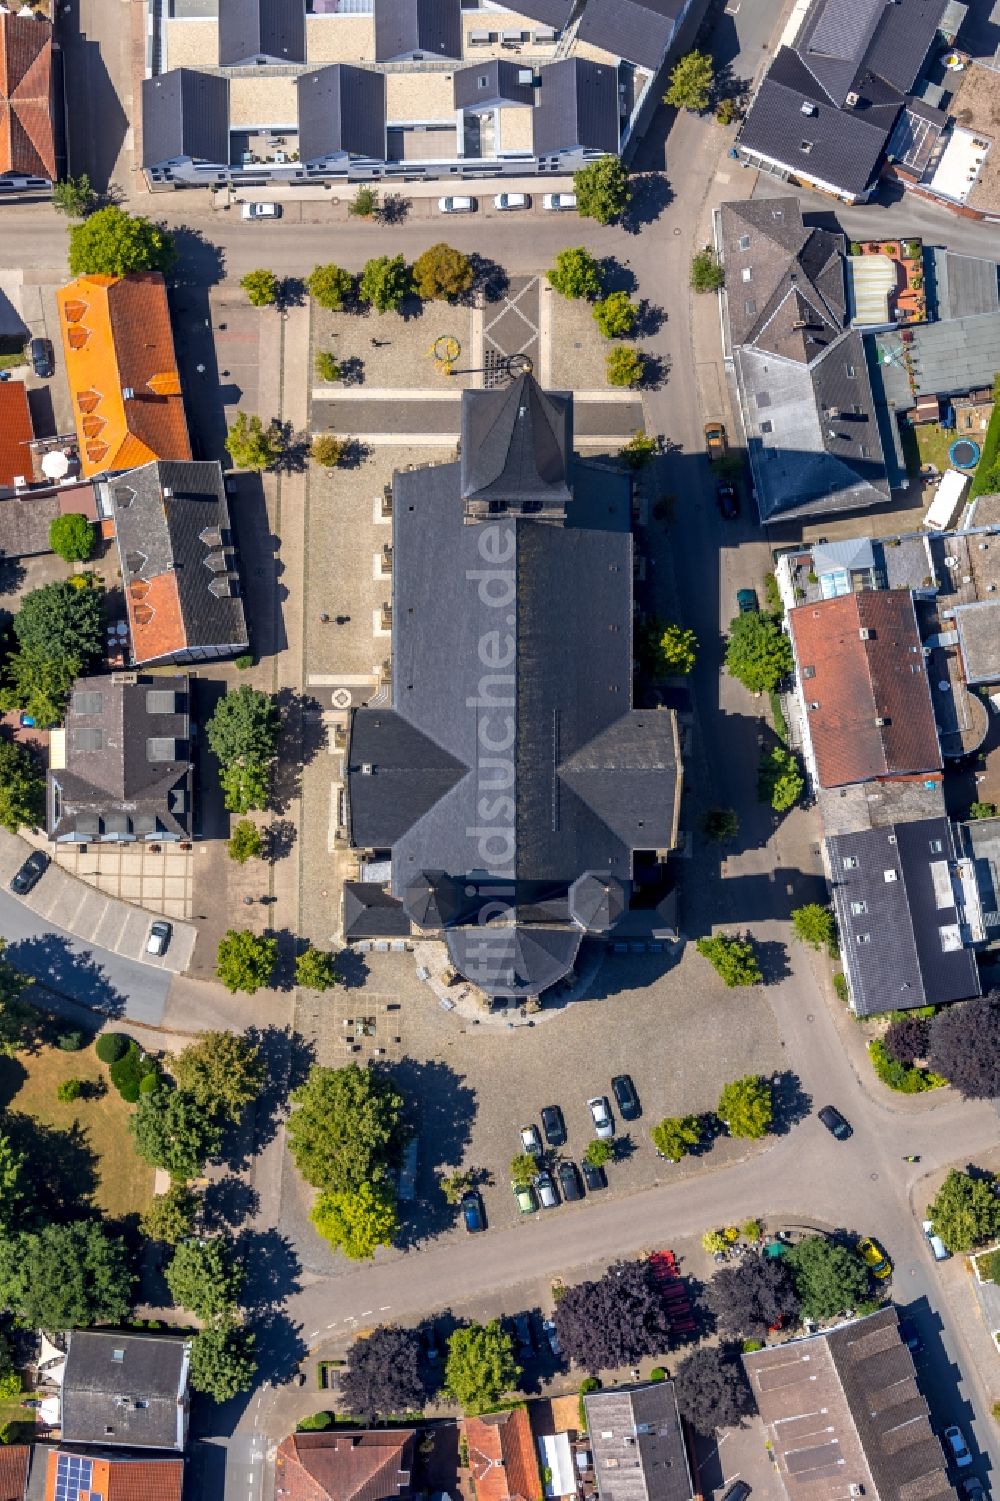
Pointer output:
x,y
600,1110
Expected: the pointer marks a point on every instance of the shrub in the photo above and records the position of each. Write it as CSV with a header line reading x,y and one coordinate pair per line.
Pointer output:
x,y
640,450
245,661
329,286
749,1345
899,1076
816,926
587,1385
129,1071
71,1042
616,315
575,273
245,842
327,450
326,366
706,273
261,287
442,272
364,204
72,538
316,1422
69,1090
720,824
983,810
840,987
625,366
657,1374
111,1046
149,1083
989,1266
10,1385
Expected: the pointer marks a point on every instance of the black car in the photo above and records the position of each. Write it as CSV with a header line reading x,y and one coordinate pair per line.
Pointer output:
x,y
628,1101
729,501
40,355
738,1491
835,1123
569,1182
553,1125
472,1211
910,1337
523,1331
594,1177
30,874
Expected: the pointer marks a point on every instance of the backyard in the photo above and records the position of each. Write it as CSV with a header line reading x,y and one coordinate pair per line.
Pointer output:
x,y
933,442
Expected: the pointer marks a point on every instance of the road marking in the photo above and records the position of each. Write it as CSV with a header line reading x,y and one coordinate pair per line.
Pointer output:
x,y
314,1334
366,1313
383,1306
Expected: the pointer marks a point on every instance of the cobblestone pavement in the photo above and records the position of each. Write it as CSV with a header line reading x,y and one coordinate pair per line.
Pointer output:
x,y
160,883
394,349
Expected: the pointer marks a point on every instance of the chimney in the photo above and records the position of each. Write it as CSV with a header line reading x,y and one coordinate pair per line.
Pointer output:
x,y
128,393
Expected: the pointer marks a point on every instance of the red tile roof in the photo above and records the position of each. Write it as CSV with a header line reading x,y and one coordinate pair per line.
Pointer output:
x,y
502,1456
13,1471
873,715
357,1466
16,432
125,1479
27,143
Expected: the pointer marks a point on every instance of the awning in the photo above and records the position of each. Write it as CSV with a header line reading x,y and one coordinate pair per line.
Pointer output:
x,y
557,1460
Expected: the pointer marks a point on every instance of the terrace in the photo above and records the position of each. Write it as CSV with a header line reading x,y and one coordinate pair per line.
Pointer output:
x,y
886,283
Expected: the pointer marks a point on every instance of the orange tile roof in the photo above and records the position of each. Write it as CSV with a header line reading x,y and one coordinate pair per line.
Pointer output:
x,y
502,1456
27,143
155,617
122,371
13,1471
15,432
358,1466
124,1479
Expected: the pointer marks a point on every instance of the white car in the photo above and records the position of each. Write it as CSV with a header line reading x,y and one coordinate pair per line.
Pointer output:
x,y
957,1449
600,1111
451,205
261,211
552,1336
937,1245
512,200
159,937
531,1141
559,201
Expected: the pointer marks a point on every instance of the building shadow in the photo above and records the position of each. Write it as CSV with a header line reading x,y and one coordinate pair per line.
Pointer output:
x,y
93,104
50,959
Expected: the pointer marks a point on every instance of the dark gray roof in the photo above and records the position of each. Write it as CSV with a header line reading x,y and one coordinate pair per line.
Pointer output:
x,y
833,40
577,106
517,442
261,28
432,28
513,959
638,30
135,1385
370,912
495,81
902,41
794,301
341,110
963,285
597,901
904,947
127,761
638,1444
553,13
185,113
25,522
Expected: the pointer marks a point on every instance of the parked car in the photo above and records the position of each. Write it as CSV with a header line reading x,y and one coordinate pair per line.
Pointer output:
x,y
546,1190
522,1328
729,501
261,211
937,1245
472,1211
559,201
531,1140
594,1177
600,1111
41,357
527,1199
159,937
429,1340
459,205
738,1491
553,1125
629,1107
956,1447
747,602
30,873
569,1182
838,1125
910,1336
874,1258
512,200
716,441
972,1489
552,1335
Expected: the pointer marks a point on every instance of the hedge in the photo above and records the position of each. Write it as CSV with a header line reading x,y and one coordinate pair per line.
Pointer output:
x,y
111,1046
897,1075
315,1423
131,1070
987,475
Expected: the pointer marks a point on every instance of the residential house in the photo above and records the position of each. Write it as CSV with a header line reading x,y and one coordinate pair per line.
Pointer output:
x,y
844,1415
809,416
502,1456
638,1444
126,1390
16,433
27,137
510,837
59,1474
180,571
345,1466
122,371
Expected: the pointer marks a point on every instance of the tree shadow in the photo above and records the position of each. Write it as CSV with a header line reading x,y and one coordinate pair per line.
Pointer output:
x,y
12,1076
650,320
656,371
651,194
773,960
352,371
279,840
393,209
287,1057
624,1147
62,1167
227,1202
442,1109
295,450
411,308
272,1267
291,293
352,968
792,1104
490,279
50,959
302,738
617,276
200,263
353,454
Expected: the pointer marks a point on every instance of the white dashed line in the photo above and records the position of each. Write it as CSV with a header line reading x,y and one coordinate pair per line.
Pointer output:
x,y
383,1307
366,1313
314,1334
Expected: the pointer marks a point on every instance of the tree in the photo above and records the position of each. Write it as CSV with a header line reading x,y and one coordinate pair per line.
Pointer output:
x,y
251,445
712,1388
222,1072
676,1136
112,242
384,1373
262,288
907,1039
829,1279
691,82
965,1047
110,1046
69,1090
624,366
746,1107
966,1211
14,1186
74,196
599,1152
640,450
203,1277
330,286
63,621
65,1276
455,1185
222,1360
732,958
346,1129
816,925
315,969
171,1216
720,824
19,1023
245,786
327,450
327,367
364,204
779,778
173,1131
758,653
22,788
706,273
38,685
575,273
243,736
677,649
480,1367
523,1169
245,842
614,1321
71,537
602,190
616,315
982,810
442,272
359,1220
749,1298
246,961
386,282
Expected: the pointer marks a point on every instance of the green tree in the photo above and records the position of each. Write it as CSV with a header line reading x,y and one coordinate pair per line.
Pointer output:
x,y
364,204
480,1368
758,653
733,959
243,736
602,190
68,1090
64,1276
575,273
327,450
74,196
676,1136
171,1216
523,1168
222,1072
38,685
14,1187
22,788
222,1360
245,842
624,366
640,450
262,288
327,367
245,786
599,1152
330,286
454,1185
983,810
816,925
251,445
746,1107
829,1279
357,1221
616,315
246,961
203,1277
677,649
706,273
20,1023
386,282
779,778
173,1131
346,1129
112,242
442,272
720,824
72,538
691,81
316,969
63,621
966,1211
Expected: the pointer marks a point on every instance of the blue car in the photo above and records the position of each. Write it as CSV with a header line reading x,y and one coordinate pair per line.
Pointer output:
x,y
472,1211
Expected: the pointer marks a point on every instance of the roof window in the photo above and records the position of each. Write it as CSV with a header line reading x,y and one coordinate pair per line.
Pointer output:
x,y
864,938
850,371
936,846
889,876
767,426
850,862
859,908
805,147
809,672
744,242
747,273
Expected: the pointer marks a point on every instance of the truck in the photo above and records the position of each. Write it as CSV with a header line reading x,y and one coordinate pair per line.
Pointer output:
x,y
946,506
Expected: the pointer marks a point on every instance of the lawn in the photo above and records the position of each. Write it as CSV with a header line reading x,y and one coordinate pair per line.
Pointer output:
x,y
124,1183
933,444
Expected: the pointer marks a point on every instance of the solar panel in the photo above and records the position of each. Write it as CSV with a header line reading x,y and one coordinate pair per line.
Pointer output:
x,y
74,1475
